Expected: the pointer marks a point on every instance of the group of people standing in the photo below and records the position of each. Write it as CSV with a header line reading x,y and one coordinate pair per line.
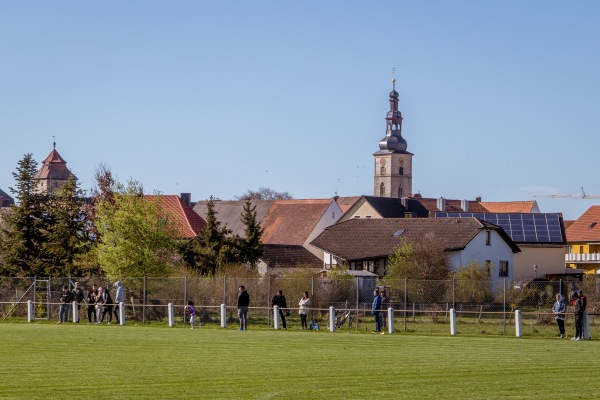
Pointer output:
x,y
380,302
579,303
279,300
100,303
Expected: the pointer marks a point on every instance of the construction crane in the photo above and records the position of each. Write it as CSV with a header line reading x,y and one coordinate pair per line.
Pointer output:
x,y
571,196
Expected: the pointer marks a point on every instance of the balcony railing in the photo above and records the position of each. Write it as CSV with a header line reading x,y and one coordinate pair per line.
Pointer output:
x,y
582,258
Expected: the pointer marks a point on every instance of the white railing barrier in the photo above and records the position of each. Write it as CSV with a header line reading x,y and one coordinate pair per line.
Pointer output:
x,y
276,323
452,322
518,322
171,315
223,316
30,311
331,319
75,312
121,313
390,318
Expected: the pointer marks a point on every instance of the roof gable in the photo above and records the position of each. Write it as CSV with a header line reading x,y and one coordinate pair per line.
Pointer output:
x,y
292,221
586,228
189,223
530,206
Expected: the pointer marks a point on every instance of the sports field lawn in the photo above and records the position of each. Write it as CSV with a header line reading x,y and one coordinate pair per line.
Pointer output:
x,y
50,361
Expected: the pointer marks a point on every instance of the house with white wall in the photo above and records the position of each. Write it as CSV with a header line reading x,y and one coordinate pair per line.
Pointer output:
x,y
366,244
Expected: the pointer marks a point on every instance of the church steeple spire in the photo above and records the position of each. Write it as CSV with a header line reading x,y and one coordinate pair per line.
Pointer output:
x,y
393,164
393,140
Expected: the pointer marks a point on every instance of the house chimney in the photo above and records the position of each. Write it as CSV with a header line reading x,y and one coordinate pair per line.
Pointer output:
x,y
186,198
478,199
464,204
404,202
441,204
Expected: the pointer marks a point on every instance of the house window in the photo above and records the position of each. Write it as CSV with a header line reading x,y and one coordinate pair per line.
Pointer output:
x,y
400,193
382,170
370,266
580,249
503,269
382,190
401,171
488,238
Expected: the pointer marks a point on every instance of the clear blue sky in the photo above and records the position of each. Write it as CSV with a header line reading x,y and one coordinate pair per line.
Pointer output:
x,y
500,98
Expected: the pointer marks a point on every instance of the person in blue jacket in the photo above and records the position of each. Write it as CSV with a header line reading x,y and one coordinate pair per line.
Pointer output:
x,y
376,309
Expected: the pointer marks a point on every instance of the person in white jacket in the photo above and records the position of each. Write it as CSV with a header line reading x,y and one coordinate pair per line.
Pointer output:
x,y
304,305
119,298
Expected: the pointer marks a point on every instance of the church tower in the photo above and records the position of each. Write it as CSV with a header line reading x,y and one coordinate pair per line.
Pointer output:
x,y
53,173
393,164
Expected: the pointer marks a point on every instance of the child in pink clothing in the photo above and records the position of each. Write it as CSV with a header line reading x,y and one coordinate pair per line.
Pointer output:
x,y
192,311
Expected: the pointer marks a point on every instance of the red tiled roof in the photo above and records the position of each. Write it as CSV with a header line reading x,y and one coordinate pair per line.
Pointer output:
x,y
586,228
357,239
188,222
509,206
53,167
281,255
292,221
423,206
345,203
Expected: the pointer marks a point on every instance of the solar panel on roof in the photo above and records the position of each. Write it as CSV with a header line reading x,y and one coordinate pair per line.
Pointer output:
x,y
523,228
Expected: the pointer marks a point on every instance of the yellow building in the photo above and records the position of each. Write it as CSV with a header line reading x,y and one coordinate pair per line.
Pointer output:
x,y
583,239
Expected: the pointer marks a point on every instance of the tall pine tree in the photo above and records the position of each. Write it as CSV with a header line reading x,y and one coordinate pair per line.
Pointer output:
x,y
251,247
64,236
21,236
216,247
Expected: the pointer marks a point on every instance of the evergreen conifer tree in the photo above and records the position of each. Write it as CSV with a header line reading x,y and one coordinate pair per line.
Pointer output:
x,y
251,247
21,236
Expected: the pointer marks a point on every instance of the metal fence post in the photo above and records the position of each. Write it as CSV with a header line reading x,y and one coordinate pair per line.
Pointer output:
x,y
121,313
75,312
390,320
276,317
453,293
30,311
184,294
357,296
452,322
224,290
331,319
518,323
268,302
144,298
171,314
405,301
223,316
504,304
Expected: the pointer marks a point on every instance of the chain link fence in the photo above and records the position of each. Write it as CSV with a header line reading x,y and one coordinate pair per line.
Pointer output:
x,y
420,306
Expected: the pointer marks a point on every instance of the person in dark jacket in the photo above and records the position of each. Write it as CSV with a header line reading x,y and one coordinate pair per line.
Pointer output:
x,y
242,307
91,302
279,300
107,301
375,310
65,305
77,295
578,307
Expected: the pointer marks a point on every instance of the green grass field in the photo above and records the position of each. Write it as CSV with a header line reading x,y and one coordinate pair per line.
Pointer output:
x,y
50,361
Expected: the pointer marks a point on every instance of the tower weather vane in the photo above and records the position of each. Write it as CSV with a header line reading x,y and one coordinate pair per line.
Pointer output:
x,y
54,142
